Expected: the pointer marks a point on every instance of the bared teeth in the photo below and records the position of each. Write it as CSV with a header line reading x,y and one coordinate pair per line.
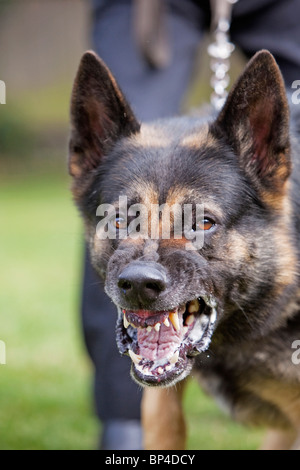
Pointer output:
x,y
181,318
174,358
160,368
125,321
190,320
193,306
134,357
174,319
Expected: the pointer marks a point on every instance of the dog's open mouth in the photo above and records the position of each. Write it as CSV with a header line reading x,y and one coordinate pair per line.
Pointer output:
x,y
162,344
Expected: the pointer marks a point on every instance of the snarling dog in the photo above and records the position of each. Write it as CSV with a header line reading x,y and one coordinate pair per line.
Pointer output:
x,y
227,308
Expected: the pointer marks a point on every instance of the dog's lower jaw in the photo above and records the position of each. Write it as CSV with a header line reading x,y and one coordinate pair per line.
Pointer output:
x,y
162,345
149,381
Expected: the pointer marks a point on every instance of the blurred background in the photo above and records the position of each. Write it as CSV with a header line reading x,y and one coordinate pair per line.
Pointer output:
x,y
45,385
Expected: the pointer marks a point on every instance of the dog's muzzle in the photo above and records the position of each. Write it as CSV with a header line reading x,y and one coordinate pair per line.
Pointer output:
x,y
161,343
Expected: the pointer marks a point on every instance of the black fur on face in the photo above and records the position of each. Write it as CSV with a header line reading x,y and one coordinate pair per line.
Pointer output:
x,y
173,301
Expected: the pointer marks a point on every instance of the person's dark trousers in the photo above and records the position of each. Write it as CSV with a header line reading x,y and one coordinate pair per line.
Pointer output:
x,y
155,93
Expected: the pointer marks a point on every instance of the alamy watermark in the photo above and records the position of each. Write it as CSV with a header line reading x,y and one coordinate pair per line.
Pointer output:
x,y
2,353
2,92
163,221
296,354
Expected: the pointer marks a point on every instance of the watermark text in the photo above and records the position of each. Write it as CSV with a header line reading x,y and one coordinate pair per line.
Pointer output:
x,y
296,354
296,94
155,221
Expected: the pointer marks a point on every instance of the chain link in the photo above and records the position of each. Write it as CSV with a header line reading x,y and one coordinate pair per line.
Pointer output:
x,y
220,50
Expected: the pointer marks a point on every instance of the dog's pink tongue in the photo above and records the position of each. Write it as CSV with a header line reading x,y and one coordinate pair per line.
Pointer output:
x,y
156,345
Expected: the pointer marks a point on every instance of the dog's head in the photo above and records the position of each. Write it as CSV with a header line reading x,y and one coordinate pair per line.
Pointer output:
x,y
185,218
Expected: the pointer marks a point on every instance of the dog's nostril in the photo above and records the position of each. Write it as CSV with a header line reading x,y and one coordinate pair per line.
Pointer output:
x,y
155,286
142,282
125,285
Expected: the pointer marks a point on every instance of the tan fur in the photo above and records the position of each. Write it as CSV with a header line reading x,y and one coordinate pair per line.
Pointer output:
x,y
163,418
197,139
278,440
284,396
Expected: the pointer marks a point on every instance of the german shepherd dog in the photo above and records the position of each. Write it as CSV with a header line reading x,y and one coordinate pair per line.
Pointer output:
x,y
228,310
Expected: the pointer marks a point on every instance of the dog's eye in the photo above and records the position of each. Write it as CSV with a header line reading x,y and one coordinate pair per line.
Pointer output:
x,y
119,222
205,224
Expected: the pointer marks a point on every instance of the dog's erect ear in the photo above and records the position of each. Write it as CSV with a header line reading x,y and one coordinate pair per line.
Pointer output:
x,y
100,115
255,121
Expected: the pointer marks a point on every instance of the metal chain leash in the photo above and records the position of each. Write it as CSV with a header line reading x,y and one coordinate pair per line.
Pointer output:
x,y
220,50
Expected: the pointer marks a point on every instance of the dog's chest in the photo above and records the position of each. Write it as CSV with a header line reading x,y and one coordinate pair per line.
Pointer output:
x,y
257,386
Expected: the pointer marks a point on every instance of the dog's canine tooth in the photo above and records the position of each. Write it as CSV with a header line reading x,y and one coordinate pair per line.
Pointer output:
x,y
174,358
125,321
157,326
174,319
189,320
160,370
134,357
213,315
149,328
194,306
166,322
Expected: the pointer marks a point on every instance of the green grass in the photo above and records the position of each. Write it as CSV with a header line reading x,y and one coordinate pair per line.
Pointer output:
x,y
45,384
45,106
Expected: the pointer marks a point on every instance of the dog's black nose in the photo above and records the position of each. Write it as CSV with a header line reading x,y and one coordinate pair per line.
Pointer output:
x,y
142,283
